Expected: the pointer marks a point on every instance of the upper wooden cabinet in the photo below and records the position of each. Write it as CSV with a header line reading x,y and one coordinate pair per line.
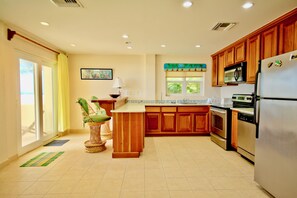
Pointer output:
x,y
214,71
288,35
274,38
229,57
221,66
239,51
269,43
253,57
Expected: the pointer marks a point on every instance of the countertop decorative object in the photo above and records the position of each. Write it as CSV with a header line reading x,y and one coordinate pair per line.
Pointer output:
x,y
114,95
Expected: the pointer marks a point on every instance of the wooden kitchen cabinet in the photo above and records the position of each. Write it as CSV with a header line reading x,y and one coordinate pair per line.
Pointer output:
x,y
234,131
288,35
253,57
221,67
214,71
177,120
153,122
201,122
168,122
275,38
184,122
153,119
239,52
269,43
229,57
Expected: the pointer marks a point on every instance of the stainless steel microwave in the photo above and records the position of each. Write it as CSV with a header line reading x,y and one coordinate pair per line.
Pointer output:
x,y
235,74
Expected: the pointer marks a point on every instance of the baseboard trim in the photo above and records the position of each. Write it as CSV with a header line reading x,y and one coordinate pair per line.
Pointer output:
x,y
6,162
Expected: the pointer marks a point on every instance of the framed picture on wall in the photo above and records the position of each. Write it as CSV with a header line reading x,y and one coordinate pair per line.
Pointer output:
x,y
96,74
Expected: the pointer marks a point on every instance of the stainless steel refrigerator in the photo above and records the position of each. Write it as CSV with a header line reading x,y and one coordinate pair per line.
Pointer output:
x,y
276,121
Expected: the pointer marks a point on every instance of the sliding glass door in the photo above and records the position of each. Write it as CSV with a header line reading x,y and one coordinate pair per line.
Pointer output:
x,y
37,104
28,93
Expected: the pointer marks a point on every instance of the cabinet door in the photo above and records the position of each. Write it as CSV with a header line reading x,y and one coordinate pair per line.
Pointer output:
x,y
234,129
153,122
288,35
201,122
214,71
184,122
253,57
239,51
221,66
229,57
168,122
269,43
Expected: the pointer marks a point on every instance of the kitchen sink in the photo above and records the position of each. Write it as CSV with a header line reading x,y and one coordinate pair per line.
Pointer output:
x,y
186,102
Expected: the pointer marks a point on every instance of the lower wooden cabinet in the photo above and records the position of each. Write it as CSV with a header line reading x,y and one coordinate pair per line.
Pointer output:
x,y
153,122
168,122
177,120
201,121
234,129
184,122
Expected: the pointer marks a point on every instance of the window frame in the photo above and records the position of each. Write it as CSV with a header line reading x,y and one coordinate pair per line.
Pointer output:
x,y
184,82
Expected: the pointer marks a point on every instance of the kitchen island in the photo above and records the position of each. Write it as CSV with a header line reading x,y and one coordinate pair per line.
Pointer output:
x,y
128,130
133,121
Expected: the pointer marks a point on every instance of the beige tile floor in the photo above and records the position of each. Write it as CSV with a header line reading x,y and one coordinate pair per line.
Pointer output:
x,y
169,167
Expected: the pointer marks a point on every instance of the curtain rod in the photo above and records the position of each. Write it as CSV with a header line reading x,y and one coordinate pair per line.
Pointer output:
x,y
11,33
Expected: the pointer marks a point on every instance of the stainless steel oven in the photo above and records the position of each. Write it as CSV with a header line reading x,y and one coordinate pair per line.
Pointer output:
x,y
219,127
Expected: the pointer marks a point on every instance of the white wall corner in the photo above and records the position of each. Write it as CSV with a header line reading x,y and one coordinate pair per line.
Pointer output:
x,y
150,76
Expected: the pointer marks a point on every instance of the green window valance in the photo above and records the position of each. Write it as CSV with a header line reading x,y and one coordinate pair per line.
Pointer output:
x,y
184,67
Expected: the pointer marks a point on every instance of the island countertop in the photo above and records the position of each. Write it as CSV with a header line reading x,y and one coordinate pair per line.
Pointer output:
x,y
140,107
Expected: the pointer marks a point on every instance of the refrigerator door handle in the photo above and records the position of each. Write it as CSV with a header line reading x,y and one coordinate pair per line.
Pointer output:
x,y
257,99
256,117
257,91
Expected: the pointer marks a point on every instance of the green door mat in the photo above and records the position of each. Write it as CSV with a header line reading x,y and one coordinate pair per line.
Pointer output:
x,y
43,159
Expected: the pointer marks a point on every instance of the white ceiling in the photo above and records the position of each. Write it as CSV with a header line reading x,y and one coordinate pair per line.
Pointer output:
x,y
98,26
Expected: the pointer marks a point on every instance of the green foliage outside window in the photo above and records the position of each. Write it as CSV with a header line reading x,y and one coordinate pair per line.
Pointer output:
x,y
174,88
193,88
189,85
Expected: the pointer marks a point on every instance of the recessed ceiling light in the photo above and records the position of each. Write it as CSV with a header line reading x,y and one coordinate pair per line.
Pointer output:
x,y
125,36
129,47
187,4
247,5
163,45
44,23
72,45
197,46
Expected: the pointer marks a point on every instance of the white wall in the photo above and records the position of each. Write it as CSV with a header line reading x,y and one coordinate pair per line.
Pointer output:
x,y
150,77
226,92
130,68
8,126
160,75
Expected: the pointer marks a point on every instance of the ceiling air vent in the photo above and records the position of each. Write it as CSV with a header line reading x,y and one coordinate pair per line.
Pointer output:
x,y
67,3
223,26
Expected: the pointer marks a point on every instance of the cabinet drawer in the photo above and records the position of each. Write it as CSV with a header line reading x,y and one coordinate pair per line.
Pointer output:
x,y
152,109
168,109
201,109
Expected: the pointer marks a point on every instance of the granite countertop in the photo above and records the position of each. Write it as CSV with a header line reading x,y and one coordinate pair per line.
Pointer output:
x,y
130,108
249,111
139,106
